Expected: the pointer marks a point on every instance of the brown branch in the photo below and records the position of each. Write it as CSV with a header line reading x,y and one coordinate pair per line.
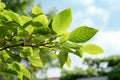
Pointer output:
x,y
17,45
24,44
28,43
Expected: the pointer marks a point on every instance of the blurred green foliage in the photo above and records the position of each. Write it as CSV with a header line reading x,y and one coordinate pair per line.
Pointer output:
x,y
18,6
95,68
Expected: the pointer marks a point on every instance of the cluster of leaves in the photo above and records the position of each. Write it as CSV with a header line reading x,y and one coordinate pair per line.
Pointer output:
x,y
37,38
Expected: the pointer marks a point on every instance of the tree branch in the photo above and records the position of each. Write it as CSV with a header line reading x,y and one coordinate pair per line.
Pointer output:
x,y
23,45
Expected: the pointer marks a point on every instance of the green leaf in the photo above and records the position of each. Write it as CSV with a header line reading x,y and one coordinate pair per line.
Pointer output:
x,y
10,71
5,56
2,6
79,53
54,55
44,55
71,45
38,39
66,47
26,52
82,34
41,19
20,76
43,30
64,37
25,19
92,49
62,58
11,16
30,29
25,71
19,70
5,14
68,62
35,59
16,66
62,21
37,11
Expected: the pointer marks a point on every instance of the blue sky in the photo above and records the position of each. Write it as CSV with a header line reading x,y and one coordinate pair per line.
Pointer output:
x,y
101,14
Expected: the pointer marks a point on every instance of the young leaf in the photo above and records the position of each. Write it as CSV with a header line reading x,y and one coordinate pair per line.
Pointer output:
x,y
21,70
29,29
54,55
92,49
5,56
36,61
62,58
20,76
2,6
68,62
82,34
25,19
25,71
64,37
41,19
37,11
11,16
62,21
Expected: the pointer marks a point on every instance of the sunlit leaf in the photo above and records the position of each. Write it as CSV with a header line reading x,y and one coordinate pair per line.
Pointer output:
x,y
37,11
64,37
82,34
68,62
5,56
30,29
35,59
62,21
54,55
19,69
25,19
2,6
20,76
41,19
25,71
92,49
11,16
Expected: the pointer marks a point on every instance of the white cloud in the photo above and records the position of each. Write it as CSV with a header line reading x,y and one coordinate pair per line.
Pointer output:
x,y
79,17
83,2
88,22
113,4
93,10
90,14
